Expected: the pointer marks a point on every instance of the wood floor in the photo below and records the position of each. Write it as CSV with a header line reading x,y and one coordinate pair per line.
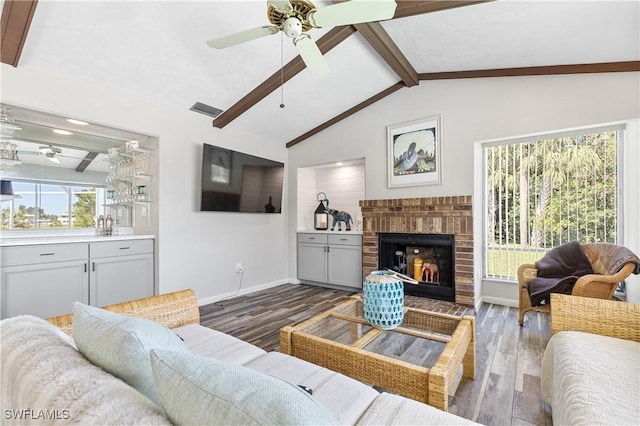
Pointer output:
x,y
506,390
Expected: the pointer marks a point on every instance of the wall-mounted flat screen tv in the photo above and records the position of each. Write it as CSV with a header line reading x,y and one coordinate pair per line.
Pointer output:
x,y
233,181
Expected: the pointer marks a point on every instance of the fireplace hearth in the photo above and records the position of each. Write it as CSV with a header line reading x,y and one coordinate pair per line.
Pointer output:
x,y
428,258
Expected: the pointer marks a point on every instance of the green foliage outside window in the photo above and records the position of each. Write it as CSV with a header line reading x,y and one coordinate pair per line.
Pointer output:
x,y
544,193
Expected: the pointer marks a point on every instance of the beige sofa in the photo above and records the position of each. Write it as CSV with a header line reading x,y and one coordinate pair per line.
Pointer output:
x,y
46,380
591,365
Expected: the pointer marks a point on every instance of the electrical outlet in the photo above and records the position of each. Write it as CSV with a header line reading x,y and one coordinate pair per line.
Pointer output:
x,y
238,268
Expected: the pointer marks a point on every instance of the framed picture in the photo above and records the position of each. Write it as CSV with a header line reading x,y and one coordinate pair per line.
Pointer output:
x,y
414,153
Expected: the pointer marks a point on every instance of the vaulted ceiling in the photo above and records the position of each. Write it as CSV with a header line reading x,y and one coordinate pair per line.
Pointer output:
x,y
157,50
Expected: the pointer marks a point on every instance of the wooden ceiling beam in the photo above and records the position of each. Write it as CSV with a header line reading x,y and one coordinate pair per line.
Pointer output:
x,y
347,113
605,67
602,67
15,23
327,42
407,8
380,40
86,161
334,37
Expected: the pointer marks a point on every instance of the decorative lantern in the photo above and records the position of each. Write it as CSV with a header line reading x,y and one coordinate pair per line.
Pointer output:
x,y
383,300
6,188
320,216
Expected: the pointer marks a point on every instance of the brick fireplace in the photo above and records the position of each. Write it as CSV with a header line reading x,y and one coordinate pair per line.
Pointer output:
x,y
433,215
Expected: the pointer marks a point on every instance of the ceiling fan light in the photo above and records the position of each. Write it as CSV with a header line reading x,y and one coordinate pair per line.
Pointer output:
x,y
292,27
53,158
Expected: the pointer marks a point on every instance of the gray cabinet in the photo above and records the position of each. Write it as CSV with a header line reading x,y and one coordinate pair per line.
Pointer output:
x,y
45,279
330,259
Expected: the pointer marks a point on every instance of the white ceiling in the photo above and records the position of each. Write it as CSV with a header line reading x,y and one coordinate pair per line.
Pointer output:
x,y
157,50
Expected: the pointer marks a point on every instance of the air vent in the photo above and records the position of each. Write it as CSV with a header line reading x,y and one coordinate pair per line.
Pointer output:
x,y
206,109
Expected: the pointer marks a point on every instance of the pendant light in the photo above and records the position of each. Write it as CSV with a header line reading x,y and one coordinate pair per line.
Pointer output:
x,y
320,216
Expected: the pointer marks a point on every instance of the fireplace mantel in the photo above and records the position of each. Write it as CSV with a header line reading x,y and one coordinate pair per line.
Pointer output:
x,y
434,215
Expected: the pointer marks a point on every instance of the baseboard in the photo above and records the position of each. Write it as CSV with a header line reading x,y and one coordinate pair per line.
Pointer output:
x,y
498,301
242,292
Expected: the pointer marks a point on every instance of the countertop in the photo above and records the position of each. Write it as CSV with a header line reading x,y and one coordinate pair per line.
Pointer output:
x,y
61,239
315,231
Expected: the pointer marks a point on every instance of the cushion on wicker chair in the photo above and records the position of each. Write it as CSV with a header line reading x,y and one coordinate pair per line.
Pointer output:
x,y
558,271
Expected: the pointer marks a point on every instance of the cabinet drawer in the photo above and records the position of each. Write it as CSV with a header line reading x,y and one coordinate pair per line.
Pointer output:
x,y
312,238
43,253
351,240
120,248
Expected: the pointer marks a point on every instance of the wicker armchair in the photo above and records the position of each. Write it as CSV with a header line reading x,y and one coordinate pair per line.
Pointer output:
x,y
600,285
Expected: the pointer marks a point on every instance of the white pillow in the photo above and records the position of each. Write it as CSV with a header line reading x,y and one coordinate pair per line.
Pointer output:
x,y
196,390
121,344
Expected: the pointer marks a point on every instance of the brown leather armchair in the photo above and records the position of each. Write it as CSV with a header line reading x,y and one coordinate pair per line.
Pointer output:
x,y
611,265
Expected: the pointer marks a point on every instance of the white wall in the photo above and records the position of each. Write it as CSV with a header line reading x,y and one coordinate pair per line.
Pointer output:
x,y
196,249
475,110
343,186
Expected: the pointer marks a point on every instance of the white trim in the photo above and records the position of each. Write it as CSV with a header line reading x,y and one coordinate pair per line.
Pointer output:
x,y
230,294
498,301
554,134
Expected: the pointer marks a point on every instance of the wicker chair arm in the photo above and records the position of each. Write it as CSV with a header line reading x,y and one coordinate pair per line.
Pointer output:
x,y
597,316
526,272
595,284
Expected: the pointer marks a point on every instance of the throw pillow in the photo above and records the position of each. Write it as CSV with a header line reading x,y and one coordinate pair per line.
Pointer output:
x,y
121,344
196,390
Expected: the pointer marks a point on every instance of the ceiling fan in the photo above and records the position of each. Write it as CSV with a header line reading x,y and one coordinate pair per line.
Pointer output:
x,y
295,17
49,151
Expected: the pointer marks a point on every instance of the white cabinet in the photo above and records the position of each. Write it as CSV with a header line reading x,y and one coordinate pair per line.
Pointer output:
x,y
120,271
330,259
45,279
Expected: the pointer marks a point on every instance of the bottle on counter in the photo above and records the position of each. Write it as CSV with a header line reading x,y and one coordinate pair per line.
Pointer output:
x,y
100,226
108,226
417,269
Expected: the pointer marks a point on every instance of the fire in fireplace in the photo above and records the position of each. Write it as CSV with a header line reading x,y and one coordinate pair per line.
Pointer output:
x,y
428,258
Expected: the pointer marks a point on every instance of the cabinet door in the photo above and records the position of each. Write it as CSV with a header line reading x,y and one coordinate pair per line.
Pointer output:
x,y
312,262
120,278
345,265
44,290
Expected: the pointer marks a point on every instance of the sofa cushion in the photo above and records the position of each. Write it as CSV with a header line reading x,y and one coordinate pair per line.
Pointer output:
x,y
41,371
121,344
591,379
346,398
390,409
199,390
215,344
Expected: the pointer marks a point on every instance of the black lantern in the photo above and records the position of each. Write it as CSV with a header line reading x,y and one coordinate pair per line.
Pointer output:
x,y
5,187
320,216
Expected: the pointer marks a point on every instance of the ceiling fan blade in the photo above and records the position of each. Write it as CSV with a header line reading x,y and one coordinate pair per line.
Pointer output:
x,y
311,55
282,6
352,12
243,36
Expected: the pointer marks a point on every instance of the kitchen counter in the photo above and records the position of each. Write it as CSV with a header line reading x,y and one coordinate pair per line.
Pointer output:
x,y
61,239
315,231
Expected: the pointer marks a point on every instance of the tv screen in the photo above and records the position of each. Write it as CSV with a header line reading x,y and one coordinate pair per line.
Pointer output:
x,y
233,181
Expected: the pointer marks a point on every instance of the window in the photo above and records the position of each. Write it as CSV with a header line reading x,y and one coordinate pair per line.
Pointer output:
x,y
50,206
545,191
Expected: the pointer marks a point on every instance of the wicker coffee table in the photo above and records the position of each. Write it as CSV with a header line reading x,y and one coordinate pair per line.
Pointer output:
x,y
419,359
